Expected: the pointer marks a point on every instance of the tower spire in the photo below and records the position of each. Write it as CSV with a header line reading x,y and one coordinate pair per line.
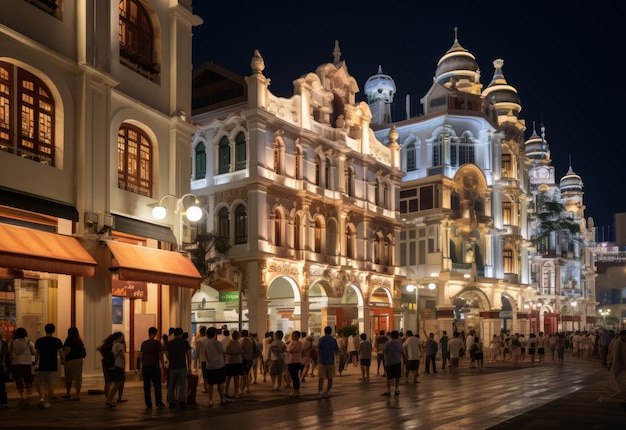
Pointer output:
x,y
337,53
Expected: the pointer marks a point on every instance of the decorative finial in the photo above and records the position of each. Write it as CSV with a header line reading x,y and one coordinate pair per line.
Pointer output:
x,y
380,69
257,65
336,53
498,63
456,33
393,135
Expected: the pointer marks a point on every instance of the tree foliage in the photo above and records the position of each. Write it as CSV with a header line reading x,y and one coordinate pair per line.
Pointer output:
x,y
552,217
210,248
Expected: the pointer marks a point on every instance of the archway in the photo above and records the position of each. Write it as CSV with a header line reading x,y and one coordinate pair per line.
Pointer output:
x,y
381,311
283,304
318,309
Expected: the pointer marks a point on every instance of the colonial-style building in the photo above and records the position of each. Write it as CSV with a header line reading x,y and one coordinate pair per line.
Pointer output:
x,y
307,196
94,131
467,204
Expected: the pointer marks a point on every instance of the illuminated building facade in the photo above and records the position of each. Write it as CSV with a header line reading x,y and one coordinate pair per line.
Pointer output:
x,y
307,196
467,204
93,131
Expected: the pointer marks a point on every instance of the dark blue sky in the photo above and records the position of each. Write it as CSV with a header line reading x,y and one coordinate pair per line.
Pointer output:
x,y
561,57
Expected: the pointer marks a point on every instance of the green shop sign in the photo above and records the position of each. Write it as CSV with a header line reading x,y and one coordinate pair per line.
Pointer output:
x,y
229,296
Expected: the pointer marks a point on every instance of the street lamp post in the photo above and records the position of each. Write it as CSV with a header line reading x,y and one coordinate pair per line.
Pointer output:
x,y
605,313
192,212
412,287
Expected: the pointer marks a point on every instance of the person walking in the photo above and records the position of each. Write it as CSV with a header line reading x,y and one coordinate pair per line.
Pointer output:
x,y
22,351
278,348
234,365
294,357
47,349
617,365
151,359
412,352
560,347
365,357
431,353
393,363
4,370
478,353
75,352
117,370
380,342
215,365
200,357
454,348
247,361
327,349
178,354
443,347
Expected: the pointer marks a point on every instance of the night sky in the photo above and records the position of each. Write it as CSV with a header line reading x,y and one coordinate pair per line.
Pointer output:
x,y
563,58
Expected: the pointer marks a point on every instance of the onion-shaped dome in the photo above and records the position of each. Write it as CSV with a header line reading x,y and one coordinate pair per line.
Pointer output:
x,y
457,63
536,147
380,87
571,182
499,93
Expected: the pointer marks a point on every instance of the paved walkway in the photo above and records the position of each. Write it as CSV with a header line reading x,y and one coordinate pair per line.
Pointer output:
x,y
544,396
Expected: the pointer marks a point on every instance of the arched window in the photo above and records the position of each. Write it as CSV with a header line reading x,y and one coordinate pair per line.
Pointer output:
x,y
223,225
223,156
241,225
327,183
277,228
349,243
26,115
318,235
136,38
134,160
200,161
411,161
240,152
318,172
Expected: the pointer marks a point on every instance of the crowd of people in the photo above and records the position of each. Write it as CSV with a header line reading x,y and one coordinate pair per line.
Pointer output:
x,y
231,362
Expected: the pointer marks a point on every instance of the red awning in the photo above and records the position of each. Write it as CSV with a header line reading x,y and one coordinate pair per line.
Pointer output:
x,y
140,263
25,248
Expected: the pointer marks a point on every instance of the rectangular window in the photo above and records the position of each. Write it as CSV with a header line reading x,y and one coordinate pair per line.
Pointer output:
x,y
426,198
437,161
507,214
506,166
507,260
412,254
421,252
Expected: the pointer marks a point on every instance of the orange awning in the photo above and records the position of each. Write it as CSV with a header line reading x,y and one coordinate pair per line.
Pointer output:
x,y
26,248
140,263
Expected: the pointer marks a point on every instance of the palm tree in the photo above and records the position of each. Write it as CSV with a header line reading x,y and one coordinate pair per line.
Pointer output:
x,y
210,248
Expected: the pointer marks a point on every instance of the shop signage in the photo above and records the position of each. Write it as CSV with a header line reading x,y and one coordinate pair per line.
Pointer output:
x,y
229,296
132,289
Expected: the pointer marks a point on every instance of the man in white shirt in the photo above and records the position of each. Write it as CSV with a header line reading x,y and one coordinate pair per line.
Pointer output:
x,y
412,352
201,355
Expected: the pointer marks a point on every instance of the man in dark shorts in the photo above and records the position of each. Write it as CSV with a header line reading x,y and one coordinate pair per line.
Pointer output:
x,y
393,362
151,356
215,366
179,356
381,340
47,348
365,357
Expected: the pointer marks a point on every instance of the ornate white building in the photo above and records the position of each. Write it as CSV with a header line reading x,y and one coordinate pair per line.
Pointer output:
x,y
307,196
464,203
